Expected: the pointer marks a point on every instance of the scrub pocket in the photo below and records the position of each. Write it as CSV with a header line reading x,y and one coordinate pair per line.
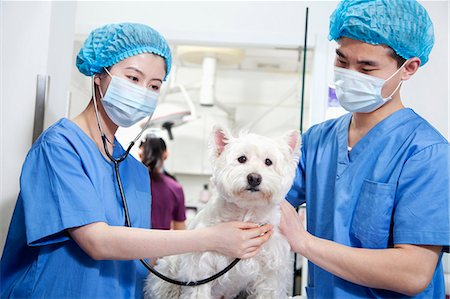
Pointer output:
x,y
373,214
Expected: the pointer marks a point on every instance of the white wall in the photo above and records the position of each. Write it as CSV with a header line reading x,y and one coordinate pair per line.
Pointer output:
x,y
428,91
256,23
36,38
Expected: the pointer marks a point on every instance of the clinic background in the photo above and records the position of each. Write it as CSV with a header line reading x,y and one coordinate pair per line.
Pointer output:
x,y
257,81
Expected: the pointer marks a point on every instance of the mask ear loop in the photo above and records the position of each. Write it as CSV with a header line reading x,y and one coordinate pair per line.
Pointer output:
x,y
95,106
399,84
106,70
395,90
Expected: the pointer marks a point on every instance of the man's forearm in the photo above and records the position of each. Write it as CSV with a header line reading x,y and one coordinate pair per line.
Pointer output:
x,y
405,269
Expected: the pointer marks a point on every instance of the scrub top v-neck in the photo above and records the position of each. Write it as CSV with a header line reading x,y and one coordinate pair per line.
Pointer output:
x,y
391,188
66,182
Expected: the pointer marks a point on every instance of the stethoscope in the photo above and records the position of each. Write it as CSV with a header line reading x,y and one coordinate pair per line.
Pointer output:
x,y
125,205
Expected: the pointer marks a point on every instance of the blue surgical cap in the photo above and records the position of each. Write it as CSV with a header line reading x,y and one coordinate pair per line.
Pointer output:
x,y
107,45
403,25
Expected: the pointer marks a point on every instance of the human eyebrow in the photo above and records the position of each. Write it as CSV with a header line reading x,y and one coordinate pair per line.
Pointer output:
x,y
135,69
142,73
340,54
368,62
156,79
362,61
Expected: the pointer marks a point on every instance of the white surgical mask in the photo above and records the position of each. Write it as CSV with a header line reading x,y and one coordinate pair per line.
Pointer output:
x,y
358,92
127,103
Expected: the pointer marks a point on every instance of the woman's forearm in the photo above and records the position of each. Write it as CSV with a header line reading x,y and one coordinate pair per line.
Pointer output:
x,y
102,241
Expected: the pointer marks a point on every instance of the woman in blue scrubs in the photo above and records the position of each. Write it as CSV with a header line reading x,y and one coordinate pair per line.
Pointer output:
x,y
376,181
67,237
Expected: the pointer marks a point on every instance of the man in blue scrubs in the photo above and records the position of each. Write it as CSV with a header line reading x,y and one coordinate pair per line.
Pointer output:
x,y
376,181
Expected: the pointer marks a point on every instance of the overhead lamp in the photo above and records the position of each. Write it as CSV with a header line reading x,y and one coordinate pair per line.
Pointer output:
x,y
209,58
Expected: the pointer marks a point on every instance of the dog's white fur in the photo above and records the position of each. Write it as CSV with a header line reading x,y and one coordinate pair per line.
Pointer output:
x,y
267,275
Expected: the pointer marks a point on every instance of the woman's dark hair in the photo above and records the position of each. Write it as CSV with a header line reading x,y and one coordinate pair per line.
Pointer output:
x,y
153,149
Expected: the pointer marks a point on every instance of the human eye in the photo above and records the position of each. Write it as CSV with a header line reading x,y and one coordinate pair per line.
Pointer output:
x,y
340,61
133,79
367,70
155,87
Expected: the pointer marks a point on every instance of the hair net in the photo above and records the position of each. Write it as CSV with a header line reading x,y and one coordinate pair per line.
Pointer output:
x,y
403,25
112,43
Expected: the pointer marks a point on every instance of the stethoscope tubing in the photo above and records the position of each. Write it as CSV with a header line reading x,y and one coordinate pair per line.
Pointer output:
x,y
127,214
128,224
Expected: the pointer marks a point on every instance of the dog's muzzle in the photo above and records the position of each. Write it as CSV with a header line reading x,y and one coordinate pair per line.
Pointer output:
x,y
253,180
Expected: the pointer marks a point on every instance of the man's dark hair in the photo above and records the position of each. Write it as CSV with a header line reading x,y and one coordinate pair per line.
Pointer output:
x,y
400,60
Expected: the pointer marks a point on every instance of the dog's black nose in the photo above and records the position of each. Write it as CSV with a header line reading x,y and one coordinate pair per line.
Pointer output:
x,y
254,179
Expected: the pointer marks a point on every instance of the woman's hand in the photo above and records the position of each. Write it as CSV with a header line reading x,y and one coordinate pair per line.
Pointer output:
x,y
292,227
239,239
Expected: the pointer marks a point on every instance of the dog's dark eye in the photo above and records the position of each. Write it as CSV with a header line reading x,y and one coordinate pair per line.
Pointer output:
x,y
242,159
268,162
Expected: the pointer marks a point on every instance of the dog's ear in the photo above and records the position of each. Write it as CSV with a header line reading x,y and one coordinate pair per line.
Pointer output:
x,y
220,138
293,140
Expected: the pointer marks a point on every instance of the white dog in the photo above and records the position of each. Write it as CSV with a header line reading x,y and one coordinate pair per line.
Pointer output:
x,y
252,174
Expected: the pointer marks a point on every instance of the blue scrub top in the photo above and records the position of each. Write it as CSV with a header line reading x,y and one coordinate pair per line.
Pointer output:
x,y
66,182
391,188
